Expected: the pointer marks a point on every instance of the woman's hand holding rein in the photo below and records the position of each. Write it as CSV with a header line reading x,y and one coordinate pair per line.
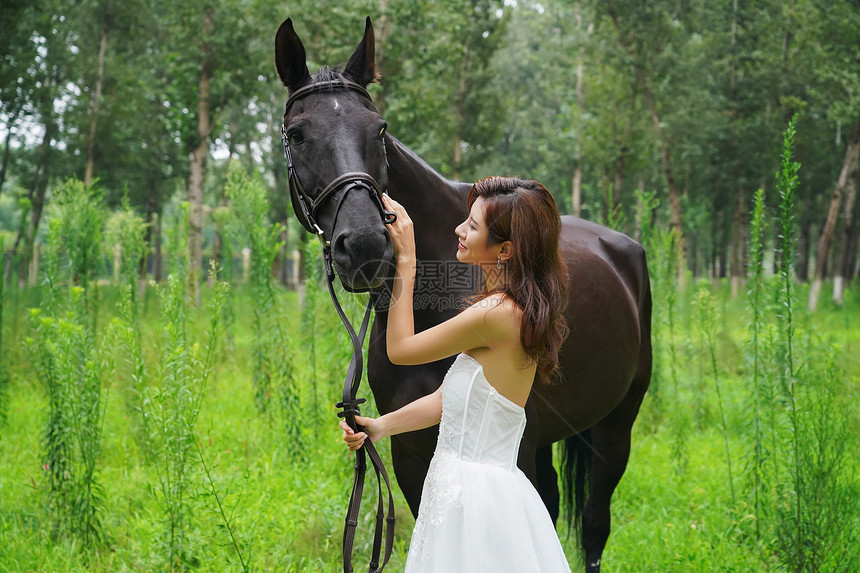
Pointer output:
x,y
354,440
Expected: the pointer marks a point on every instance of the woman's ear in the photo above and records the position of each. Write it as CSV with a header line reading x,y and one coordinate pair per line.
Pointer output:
x,y
506,251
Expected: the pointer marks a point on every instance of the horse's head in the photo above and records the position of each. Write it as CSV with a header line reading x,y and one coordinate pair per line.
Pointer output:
x,y
334,140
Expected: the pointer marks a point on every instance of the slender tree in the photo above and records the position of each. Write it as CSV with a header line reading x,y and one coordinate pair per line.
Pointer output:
x,y
644,34
843,184
94,103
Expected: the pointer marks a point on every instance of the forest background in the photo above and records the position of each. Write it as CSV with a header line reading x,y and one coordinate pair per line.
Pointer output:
x,y
155,420
598,100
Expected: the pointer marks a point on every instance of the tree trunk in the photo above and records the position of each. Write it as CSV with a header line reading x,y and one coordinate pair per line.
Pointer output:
x,y
223,202
94,103
22,229
30,237
36,196
462,92
738,242
281,188
199,154
383,27
576,187
716,220
852,153
617,181
5,164
642,217
803,241
851,262
157,259
285,255
842,268
738,239
150,234
668,173
642,80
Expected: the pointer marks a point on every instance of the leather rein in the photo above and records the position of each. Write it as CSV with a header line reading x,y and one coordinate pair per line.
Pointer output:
x,y
305,207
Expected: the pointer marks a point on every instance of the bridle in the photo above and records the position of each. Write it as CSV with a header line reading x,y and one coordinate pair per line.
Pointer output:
x,y
305,207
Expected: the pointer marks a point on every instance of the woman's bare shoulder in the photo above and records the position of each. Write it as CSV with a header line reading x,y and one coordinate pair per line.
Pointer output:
x,y
500,310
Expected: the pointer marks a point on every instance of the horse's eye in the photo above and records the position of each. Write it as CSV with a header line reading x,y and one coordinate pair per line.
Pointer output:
x,y
296,137
381,134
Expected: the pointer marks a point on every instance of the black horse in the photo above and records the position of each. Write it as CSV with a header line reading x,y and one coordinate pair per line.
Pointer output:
x,y
333,129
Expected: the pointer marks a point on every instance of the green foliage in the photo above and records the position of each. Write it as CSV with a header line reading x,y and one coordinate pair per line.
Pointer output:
x,y
70,365
177,241
707,323
798,469
79,217
69,362
271,365
219,508
499,81
661,248
665,519
170,406
312,304
757,309
4,374
222,217
125,231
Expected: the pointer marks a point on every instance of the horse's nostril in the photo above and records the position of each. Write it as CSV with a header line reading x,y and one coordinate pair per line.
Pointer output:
x,y
338,245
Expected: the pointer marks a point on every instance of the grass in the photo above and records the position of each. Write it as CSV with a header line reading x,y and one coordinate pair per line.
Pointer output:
x,y
287,515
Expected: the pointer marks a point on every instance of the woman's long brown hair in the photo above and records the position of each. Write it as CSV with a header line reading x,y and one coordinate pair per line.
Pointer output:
x,y
524,212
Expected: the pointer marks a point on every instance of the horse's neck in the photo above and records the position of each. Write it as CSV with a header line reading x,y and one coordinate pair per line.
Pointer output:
x,y
435,204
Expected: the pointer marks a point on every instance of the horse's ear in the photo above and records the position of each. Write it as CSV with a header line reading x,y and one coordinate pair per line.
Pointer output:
x,y
290,57
361,67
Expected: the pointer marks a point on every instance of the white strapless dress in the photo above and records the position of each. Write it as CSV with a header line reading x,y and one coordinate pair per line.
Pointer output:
x,y
478,511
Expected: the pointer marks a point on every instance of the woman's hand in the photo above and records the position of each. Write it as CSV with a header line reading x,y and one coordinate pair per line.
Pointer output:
x,y
401,231
354,440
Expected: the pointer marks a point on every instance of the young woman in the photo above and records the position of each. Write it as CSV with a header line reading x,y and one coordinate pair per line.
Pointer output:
x,y
478,510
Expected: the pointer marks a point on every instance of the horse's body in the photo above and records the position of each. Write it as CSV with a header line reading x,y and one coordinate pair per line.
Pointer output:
x,y
605,362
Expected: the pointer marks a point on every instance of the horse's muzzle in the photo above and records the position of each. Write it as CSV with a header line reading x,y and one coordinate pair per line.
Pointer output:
x,y
362,257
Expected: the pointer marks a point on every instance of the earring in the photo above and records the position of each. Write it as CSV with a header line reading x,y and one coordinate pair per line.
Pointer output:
x,y
499,263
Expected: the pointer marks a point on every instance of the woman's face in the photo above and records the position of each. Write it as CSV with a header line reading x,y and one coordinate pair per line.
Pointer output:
x,y
472,233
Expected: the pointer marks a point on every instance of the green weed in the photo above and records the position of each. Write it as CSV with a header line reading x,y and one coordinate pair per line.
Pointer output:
x,y
4,374
71,366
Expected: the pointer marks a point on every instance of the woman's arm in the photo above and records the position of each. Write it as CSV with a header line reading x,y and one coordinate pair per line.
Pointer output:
x,y
401,321
476,327
416,415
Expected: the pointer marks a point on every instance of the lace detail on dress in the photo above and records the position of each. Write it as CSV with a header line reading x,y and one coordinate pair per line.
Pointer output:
x,y
442,495
443,491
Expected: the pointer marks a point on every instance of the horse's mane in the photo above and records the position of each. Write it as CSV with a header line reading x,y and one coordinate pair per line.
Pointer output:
x,y
326,74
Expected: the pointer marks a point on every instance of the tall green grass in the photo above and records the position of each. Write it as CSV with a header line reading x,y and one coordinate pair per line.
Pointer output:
x,y
4,374
812,510
171,405
125,231
743,456
289,512
252,228
708,318
756,309
69,361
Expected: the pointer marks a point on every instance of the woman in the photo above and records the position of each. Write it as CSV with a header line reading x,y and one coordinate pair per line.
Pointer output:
x,y
478,510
